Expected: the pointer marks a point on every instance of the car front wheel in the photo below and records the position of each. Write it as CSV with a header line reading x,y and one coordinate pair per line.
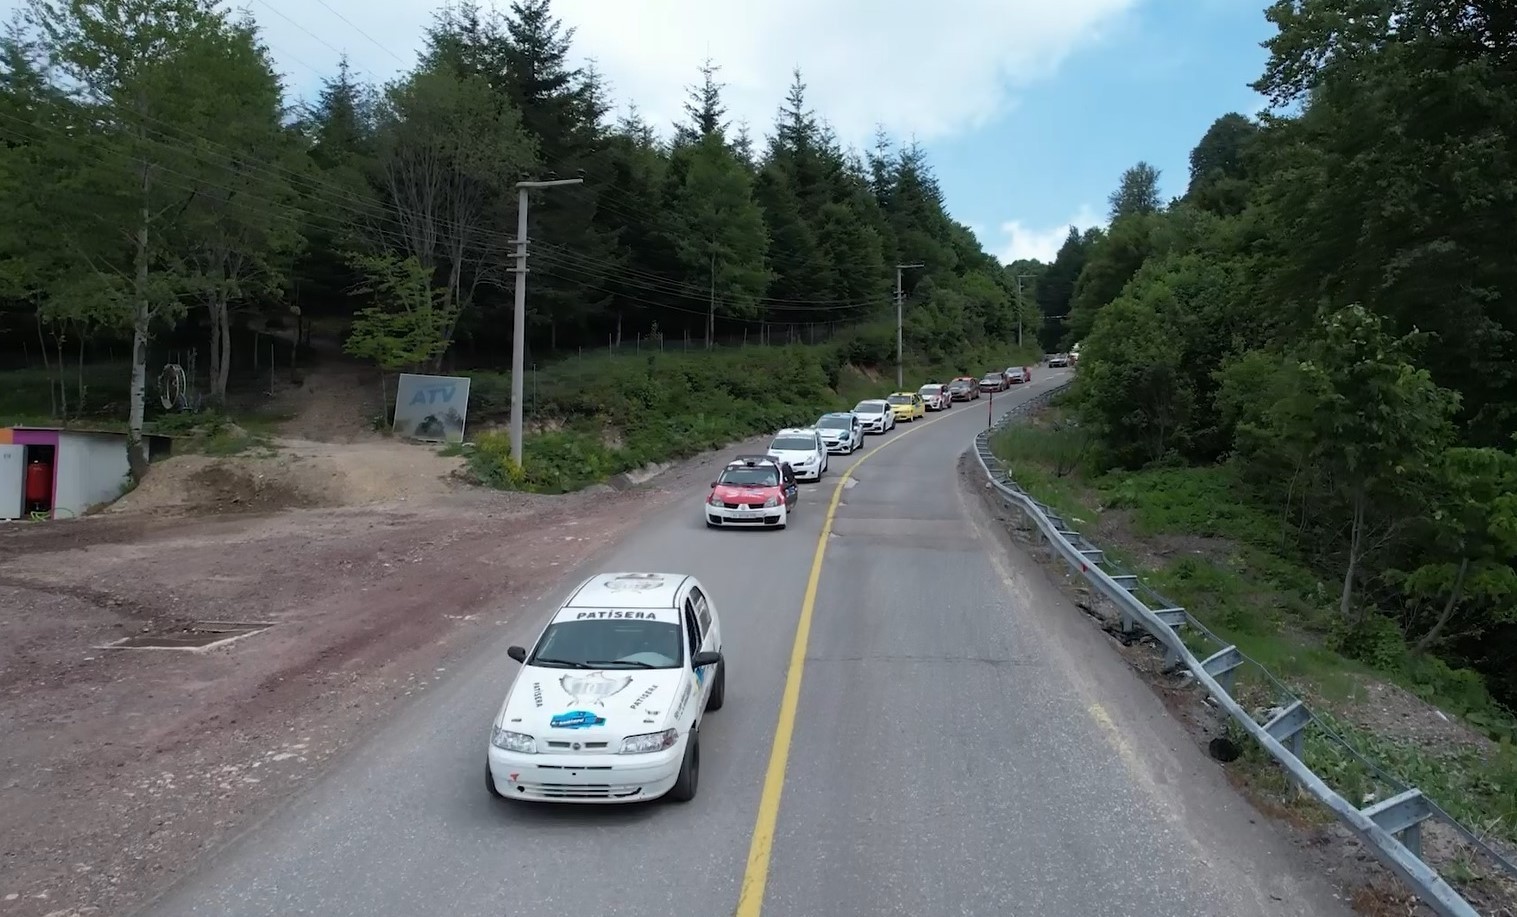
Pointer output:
x,y
718,688
689,777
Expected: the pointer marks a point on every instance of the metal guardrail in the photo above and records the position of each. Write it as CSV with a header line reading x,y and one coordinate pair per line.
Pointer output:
x,y
1390,828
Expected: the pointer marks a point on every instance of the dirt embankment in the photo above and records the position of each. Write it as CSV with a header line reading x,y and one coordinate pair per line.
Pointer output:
x,y
375,565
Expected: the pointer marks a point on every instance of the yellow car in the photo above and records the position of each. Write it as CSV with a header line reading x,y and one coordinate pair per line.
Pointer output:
x,y
906,406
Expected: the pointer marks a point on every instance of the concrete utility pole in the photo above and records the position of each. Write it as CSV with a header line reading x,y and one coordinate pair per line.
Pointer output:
x,y
1020,306
900,298
519,322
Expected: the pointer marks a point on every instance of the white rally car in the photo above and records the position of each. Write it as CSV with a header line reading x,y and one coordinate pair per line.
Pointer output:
x,y
876,415
803,449
608,704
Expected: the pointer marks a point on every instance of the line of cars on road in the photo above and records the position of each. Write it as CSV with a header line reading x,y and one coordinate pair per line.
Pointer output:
x,y
610,698
762,490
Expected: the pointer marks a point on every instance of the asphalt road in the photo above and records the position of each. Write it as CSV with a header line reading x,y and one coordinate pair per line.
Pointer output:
x,y
944,762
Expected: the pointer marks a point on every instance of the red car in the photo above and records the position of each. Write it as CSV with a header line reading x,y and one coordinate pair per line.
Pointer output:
x,y
753,490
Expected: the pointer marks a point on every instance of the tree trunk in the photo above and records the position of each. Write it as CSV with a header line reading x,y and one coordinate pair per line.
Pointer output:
x,y
1448,610
214,311
80,392
221,353
136,450
1351,569
62,383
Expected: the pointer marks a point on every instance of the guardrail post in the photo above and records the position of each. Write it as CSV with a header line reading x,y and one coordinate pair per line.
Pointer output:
x,y
1402,815
1222,665
1289,727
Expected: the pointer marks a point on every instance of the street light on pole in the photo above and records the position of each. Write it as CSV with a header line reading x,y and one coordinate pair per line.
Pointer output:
x,y
519,321
900,297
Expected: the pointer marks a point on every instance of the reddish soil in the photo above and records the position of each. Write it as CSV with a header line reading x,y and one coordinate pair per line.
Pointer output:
x,y
122,766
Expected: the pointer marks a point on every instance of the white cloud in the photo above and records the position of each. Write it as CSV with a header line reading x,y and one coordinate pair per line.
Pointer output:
x,y
1019,240
928,71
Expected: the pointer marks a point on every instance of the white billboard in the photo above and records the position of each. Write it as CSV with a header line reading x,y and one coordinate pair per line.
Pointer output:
x,y
431,408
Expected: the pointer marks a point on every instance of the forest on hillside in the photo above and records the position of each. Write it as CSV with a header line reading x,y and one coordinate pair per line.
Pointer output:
x,y
158,180
1329,310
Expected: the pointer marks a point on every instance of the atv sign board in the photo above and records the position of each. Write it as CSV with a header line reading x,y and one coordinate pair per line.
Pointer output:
x,y
431,408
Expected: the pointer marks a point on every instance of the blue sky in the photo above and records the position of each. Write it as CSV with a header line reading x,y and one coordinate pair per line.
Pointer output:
x,y
1030,109
1147,92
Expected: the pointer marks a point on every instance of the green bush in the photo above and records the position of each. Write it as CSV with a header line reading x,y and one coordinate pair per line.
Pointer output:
x,y
603,415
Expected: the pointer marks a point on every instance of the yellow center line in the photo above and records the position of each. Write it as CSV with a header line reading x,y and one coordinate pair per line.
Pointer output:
x,y
750,900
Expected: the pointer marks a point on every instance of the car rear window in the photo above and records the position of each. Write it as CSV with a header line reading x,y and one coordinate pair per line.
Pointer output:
x,y
793,444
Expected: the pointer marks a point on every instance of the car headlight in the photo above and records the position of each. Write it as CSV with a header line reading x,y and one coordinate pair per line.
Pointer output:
x,y
714,500
772,501
649,742
519,742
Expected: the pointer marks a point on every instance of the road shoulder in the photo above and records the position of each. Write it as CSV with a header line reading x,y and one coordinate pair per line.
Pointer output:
x,y
1284,871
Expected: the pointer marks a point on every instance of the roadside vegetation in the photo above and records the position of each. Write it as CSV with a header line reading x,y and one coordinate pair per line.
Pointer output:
x,y
1295,411
702,284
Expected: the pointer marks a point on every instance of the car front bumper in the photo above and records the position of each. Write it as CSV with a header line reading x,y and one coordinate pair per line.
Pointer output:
x,y
808,473
838,446
737,516
874,426
598,779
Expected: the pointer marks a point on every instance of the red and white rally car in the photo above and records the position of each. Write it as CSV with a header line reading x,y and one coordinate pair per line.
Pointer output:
x,y
753,490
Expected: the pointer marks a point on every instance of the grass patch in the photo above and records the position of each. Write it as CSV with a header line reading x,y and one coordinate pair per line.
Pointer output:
x,y
1226,561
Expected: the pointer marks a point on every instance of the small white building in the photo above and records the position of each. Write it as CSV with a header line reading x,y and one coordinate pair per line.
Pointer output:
x,y
54,473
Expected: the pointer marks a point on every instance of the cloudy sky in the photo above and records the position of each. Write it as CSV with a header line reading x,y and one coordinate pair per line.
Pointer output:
x,y
1030,109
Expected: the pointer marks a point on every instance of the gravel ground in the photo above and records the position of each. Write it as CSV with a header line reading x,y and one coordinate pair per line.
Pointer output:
x,y
124,767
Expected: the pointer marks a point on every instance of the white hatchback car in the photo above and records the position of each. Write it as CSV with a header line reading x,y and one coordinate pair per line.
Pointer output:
x,y
608,704
803,449
876,415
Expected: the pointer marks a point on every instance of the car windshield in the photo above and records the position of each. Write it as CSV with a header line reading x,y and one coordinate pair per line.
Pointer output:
x,y
751,476
991,378
610,644
835,422
959,384
792,444
929,389
869,407
899,399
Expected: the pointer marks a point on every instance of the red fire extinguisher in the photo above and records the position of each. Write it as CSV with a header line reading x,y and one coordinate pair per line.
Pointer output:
x,y
39,482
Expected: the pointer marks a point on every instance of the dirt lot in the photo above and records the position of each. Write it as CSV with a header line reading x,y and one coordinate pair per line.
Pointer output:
x,y
1368,885
376,568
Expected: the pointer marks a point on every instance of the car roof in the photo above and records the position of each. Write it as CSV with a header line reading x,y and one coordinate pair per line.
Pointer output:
x,y
894,394
625,590
796,431
871,401
753,460
836,414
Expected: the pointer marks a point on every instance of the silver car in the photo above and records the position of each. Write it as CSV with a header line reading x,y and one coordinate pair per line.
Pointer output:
x,y
842,432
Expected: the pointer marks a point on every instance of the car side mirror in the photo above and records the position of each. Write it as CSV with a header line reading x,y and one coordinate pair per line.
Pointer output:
x,y
713,484
519,653
703,659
